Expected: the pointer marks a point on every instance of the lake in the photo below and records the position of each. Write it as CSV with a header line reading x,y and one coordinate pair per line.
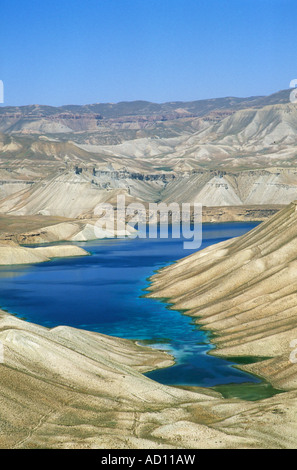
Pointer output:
x,y
105,293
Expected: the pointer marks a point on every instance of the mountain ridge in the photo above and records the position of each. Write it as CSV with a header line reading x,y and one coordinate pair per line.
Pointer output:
x,y
166,152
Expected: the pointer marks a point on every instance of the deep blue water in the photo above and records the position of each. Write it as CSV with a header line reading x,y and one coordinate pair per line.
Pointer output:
x,y
104,293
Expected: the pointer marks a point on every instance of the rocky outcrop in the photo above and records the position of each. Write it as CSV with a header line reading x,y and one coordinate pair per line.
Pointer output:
x,y
16,230
75,192
11,253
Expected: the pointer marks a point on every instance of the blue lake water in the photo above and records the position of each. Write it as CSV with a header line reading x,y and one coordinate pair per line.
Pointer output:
x,y
104,293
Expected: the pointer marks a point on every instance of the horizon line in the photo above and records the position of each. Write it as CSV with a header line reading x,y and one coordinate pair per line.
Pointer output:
x,y
2,105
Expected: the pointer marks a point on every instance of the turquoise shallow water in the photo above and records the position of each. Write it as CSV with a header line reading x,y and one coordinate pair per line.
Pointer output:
x,y
104,293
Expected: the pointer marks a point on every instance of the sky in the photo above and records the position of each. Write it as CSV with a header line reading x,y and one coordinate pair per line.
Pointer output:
x,y
59,52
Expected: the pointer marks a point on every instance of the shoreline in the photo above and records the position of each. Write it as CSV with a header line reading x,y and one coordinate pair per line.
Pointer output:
x,y
67,389
240,387
180,284
37,229
79,389
57,245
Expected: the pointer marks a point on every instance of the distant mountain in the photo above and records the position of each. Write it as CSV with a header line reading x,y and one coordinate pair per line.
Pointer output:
x,y
224,151
145,108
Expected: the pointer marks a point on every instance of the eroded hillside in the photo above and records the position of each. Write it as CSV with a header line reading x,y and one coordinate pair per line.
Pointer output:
x,y
221,152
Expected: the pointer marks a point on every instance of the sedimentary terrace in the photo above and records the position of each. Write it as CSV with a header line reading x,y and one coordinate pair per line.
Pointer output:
x,y
77,190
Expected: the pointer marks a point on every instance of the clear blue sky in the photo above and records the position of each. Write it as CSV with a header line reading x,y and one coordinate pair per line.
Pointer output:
x,y
84,51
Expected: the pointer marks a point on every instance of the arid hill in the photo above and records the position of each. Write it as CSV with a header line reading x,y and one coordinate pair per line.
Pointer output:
x,y
70,388
252,310
219,152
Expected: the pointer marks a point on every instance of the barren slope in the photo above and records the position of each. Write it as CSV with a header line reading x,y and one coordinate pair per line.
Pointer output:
x,y
244,290
69,388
